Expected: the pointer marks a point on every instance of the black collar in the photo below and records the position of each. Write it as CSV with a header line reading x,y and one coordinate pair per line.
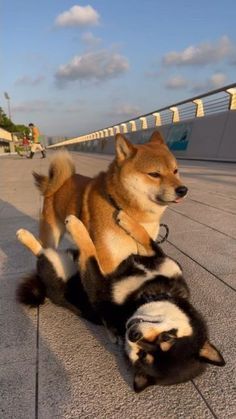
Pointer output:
x,y
113,202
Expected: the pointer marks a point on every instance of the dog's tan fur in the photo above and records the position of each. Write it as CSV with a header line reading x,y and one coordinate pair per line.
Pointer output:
x,y
126,185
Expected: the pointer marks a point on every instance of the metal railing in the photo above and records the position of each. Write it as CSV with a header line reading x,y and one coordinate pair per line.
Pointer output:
x,y
219,100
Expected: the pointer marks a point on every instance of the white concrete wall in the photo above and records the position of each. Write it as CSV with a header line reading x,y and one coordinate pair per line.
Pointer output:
x,y
210,137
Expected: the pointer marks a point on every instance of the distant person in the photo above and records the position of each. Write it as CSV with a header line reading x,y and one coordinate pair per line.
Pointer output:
x,y
35,145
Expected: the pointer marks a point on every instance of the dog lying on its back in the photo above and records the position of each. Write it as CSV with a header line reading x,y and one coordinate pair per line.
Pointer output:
x,y
144,301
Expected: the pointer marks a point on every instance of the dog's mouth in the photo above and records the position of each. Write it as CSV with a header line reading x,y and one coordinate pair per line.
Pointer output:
x,y
177,195
136,320
132,329
161,201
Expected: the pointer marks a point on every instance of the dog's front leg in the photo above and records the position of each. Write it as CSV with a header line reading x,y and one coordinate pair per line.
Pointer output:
x,y
137,232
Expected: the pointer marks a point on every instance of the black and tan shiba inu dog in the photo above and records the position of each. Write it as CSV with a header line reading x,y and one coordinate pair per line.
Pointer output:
x,y
144,301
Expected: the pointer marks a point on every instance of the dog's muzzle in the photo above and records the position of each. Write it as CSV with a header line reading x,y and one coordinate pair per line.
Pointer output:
x,y
133,332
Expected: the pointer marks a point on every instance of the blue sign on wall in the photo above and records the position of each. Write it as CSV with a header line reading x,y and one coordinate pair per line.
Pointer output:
x,y
178,136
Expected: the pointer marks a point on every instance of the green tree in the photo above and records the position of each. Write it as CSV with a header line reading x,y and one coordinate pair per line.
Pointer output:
x,y
7,124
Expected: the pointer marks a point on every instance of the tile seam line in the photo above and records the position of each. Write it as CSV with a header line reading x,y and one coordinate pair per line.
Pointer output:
x,y
204,400
37,335
212,206
217,277
37,367
221,195
205,225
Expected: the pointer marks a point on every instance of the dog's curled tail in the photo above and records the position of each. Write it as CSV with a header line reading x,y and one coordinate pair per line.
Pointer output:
x,y
61,168
31,291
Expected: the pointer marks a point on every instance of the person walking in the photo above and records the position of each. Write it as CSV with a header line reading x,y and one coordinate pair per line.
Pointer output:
x,y
35,142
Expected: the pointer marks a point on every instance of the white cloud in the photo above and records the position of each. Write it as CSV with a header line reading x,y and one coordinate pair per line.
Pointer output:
x,y
93,66
125,111
218,80
29,81
215,81
78,16
89,39
202,54
176,82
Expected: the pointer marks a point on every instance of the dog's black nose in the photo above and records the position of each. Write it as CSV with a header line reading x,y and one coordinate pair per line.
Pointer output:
x,y
134,335
181,191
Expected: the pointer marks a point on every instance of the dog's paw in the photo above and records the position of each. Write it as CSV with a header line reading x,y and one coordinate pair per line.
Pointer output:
x,y
70,220
74,226
124,221
114,337
23,235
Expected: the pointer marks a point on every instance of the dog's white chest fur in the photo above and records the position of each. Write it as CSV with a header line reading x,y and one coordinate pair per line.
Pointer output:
x,y
123,288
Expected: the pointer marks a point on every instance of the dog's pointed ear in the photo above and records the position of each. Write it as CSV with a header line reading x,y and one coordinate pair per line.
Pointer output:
x,y
208,353
124,149
157,138
142,381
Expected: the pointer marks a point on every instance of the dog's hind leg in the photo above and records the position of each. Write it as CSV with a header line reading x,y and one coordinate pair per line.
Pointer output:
x,y
82,239
92,276
29,241
137,232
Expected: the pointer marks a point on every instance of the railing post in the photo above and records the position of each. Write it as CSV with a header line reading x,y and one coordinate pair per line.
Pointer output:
x,y
199,108
175,113
157,116
106,132
101,134
117,129
133,126
232,102
124,127
111,131
143,120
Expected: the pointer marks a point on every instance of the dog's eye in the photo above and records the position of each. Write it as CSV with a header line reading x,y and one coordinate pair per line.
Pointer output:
x,y
165,337
154,174
175,171
168,336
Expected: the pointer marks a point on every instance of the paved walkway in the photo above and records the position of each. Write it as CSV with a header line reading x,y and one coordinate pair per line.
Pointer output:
x,y
55,365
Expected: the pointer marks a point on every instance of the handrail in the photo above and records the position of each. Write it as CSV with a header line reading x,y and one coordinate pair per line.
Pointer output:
x,y
210,93
175,114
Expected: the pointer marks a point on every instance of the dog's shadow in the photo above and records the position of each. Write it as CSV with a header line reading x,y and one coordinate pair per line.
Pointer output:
x,y
22,346
115,349
18,259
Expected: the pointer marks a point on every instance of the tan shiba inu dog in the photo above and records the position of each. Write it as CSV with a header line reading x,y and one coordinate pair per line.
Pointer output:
x,y
142,181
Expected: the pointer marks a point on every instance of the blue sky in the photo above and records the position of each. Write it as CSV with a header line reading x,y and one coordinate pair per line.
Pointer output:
x,y
73,67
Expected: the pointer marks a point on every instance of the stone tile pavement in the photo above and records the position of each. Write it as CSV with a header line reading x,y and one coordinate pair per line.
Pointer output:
x,y
55,365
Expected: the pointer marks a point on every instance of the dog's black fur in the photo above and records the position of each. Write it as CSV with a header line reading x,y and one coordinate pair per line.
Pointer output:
x,y
93,298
